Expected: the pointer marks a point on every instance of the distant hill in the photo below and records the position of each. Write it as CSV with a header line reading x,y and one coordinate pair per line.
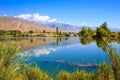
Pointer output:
x,y
72,28
62,26
11,23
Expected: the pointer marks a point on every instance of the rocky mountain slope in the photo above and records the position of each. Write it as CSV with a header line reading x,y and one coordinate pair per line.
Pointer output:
x,y
11,23
62,26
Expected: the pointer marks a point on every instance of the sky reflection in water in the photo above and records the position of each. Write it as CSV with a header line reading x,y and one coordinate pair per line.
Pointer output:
x,y
67,54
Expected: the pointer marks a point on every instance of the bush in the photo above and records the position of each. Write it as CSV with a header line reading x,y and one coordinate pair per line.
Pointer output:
x,y
12,68
35,74
63,75
104,72
81,75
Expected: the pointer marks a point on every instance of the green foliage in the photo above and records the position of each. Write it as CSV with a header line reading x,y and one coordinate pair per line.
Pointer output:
x,y
100,43
10,32
118,34
104,72
44,31
84,31
11,67
30,31
86,40
92,32
57,30
63,75
113,34
87,32
67,34
104,26
2,32
115,60
81,75
103,31
8,53
7,63
77,75
35,74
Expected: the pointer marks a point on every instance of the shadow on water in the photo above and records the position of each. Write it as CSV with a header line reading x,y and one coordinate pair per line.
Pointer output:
x,y
59,39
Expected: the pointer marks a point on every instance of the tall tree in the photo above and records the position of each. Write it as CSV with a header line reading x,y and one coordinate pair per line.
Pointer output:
x,y
84,31
57,30
103,30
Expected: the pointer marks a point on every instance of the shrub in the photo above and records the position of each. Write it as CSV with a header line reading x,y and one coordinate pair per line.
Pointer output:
x,y
35,74
63,75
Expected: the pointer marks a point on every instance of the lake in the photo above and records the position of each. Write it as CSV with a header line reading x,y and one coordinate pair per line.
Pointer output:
x,y
55,54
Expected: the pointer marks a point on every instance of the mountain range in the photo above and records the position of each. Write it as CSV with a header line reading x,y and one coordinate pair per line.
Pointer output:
x,y
11,23
62,26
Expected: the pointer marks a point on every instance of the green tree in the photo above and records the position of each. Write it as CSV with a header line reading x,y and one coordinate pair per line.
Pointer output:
x,y
57,30
115,60
2,32
118,34
44,31
91,32
84,31
63,75
113,34
86,40
104,72
103,30
35,74
81,75
30,32
104,26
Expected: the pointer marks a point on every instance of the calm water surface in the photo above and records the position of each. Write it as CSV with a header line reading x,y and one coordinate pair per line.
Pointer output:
x,y
55,54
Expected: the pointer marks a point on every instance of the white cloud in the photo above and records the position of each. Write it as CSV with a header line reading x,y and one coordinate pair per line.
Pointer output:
x,y
25,16
52,20
5,14
41,52
52,49
38,17
38,52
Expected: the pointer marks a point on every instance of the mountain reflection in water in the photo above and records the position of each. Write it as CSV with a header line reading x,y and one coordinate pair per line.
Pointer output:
x,y
53,54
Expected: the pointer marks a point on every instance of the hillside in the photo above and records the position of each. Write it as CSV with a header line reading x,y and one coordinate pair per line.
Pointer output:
x,y
10,23
62,26
73,28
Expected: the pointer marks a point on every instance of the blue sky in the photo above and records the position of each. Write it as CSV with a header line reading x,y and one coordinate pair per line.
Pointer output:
x,y
77,12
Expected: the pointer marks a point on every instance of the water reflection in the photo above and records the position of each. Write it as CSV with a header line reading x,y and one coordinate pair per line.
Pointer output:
x,y
49,46
26,43
86,40
42,51
53,54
